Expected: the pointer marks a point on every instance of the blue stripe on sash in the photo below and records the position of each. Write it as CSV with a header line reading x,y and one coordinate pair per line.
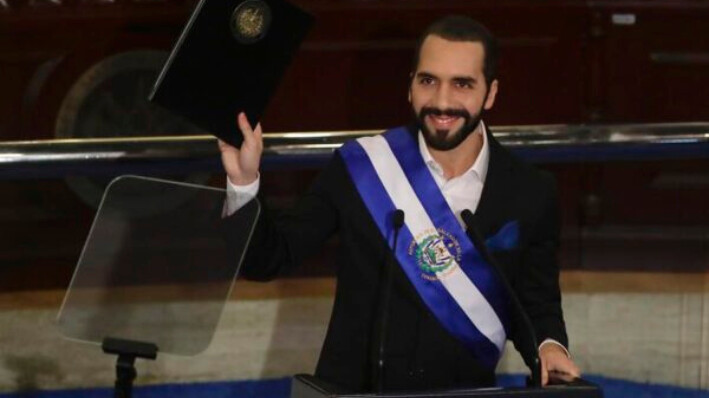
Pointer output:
x,y
407,152
433,293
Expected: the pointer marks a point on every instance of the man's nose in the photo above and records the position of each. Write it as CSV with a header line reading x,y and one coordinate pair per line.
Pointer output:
x,y
441,99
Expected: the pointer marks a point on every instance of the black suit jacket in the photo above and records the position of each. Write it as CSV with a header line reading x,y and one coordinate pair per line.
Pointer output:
x,y
420,354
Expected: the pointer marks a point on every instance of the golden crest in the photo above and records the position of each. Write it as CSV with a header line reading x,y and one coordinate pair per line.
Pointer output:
x,y
437,253
250,21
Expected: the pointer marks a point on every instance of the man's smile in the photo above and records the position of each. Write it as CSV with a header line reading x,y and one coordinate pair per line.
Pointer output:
x,y
442,122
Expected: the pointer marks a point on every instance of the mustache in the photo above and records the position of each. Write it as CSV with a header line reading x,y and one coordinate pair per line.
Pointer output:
x,y
450,112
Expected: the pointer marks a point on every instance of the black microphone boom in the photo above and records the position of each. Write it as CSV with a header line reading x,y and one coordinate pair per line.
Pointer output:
x,y
532,352
384,294
398,221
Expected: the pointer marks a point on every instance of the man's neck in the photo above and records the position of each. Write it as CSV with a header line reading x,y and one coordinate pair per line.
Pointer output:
x,y
458,160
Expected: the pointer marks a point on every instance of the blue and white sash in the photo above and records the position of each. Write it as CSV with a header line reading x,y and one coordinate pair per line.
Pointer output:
x,y
441,262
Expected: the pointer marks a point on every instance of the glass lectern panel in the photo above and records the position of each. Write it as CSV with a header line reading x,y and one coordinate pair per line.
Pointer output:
x,y
157,274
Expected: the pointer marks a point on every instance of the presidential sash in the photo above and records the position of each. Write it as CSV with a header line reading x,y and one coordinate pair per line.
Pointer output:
x,y
436,255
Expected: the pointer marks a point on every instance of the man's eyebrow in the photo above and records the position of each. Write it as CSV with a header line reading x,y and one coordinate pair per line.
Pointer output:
x,y
425,74
465,79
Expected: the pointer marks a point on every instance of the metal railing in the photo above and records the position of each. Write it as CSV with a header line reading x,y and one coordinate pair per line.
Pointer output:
x,y
180,154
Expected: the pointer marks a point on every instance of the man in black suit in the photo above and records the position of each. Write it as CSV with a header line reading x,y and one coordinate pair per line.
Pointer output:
x,y
447,320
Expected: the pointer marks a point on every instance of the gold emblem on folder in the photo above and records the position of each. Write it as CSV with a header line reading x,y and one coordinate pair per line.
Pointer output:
x,y
250,21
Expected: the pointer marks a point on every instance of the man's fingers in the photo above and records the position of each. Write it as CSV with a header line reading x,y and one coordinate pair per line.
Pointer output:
x,y
258,132
560,368
245,127
569,368
223,146
573,370
556,360
563,365
230,157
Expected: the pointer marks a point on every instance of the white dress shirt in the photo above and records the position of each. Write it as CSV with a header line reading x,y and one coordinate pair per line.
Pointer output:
x,y
461,192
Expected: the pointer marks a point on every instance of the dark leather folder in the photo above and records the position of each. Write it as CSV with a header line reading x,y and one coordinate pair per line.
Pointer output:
x,y
229,58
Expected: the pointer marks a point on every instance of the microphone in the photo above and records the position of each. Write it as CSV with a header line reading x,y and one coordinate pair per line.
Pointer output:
x,y
532,353
384,294
398,221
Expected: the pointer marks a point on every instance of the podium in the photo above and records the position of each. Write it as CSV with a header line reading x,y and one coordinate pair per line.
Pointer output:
x,y
307,386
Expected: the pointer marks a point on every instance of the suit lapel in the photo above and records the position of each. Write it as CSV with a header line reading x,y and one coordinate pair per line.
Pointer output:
x,y
495,194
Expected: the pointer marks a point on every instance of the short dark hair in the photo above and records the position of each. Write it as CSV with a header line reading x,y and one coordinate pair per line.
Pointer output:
x,y
462,28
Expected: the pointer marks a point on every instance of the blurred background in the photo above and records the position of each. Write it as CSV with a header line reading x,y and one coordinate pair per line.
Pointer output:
x,y
610,96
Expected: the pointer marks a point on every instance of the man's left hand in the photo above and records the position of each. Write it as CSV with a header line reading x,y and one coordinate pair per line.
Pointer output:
x,y
555,360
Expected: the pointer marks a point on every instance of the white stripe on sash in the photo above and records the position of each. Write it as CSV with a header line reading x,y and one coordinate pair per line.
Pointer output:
x,y
463,291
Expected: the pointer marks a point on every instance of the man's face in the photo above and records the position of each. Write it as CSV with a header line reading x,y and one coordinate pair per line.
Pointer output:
x,y
448,91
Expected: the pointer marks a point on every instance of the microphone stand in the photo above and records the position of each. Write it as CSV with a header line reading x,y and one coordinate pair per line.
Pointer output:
x,y
385,294
535,379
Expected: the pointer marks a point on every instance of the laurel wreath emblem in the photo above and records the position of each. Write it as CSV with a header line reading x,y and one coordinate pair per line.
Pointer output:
x,y
250,21
437,252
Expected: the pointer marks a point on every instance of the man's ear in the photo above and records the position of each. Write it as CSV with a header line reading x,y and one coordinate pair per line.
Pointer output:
x,y
491,95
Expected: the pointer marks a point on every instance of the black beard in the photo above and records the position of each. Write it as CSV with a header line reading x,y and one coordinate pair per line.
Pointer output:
x,y
440,139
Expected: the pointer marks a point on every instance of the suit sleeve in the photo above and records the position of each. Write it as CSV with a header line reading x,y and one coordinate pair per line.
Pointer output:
x,y
281,240
540,293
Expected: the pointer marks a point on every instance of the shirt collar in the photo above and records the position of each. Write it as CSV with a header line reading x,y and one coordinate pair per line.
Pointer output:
x,y
479,167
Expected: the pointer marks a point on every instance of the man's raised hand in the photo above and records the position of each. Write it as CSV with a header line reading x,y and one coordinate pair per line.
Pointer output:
x,y
242,164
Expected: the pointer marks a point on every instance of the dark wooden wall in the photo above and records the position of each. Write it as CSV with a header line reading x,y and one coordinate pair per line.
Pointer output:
x,y
563,61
